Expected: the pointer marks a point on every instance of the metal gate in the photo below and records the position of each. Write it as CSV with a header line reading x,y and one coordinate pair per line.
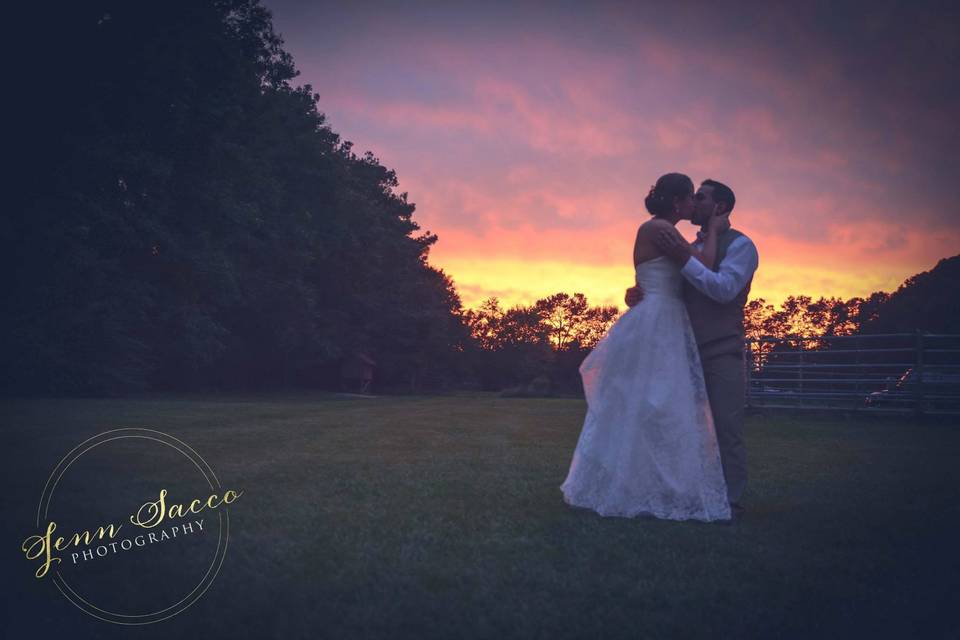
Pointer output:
x,y
896,372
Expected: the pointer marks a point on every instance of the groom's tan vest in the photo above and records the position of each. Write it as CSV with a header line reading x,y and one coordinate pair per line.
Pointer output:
x,y
717,326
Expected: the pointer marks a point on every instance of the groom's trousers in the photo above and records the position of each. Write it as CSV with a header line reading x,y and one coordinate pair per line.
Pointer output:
x,y
725,379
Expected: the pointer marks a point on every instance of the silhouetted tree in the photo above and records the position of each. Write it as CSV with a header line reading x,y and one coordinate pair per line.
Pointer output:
x,y
549,337
184,217
571,321
928,301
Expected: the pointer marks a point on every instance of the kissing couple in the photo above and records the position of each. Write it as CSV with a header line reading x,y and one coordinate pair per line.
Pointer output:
x,y
665,386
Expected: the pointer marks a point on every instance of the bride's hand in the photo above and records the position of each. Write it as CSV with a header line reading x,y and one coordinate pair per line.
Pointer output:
x,y
719,223
672,244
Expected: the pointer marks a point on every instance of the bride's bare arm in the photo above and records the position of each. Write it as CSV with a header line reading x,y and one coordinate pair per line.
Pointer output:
x,y
645,248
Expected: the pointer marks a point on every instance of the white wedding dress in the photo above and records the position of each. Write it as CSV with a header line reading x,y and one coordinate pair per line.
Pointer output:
x,y
648,444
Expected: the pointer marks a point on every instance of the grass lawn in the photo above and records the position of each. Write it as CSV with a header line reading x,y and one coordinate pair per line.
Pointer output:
x,y
442,517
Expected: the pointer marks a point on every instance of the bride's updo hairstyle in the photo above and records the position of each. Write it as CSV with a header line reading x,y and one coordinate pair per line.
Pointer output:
x,y
659,201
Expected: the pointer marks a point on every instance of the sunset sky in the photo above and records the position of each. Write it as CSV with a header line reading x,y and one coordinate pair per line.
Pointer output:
x,y
528,134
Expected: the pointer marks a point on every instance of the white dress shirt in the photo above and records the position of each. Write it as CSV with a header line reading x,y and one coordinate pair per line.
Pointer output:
x,y
734,273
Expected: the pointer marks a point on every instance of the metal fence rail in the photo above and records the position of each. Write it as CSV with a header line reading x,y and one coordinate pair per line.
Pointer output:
x,y
897,372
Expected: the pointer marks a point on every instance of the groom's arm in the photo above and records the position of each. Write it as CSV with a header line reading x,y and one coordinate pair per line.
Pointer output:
x,y
733,274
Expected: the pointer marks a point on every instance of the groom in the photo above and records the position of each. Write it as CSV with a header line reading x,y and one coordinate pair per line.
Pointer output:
x,y
715,300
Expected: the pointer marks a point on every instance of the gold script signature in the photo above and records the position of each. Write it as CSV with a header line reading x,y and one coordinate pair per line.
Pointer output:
x,y
149,515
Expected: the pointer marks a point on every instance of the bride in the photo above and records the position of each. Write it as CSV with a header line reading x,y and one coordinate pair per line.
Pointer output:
x,y
648,446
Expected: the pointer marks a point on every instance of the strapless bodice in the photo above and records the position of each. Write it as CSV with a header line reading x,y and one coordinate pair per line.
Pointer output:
x,y
659,276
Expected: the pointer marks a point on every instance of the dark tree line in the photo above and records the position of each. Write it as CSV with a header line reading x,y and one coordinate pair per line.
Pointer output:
x,y
550,338
545,341
928,301
184,218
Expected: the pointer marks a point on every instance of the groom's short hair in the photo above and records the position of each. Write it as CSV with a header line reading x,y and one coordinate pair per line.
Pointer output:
x,y
721,193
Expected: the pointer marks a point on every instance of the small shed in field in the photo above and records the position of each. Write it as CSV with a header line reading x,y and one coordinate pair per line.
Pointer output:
x,y
356,372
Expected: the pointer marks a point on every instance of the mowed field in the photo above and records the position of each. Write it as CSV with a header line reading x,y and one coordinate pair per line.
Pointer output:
x,y
442,517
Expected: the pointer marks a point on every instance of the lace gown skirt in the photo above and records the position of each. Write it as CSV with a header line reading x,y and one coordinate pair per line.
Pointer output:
x,y
648,444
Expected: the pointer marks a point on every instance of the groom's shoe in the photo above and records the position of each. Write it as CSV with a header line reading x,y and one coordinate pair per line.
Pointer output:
x,y
737,510
736,513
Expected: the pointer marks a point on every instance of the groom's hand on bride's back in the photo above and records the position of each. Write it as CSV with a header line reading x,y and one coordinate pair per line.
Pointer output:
x,y
634,295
